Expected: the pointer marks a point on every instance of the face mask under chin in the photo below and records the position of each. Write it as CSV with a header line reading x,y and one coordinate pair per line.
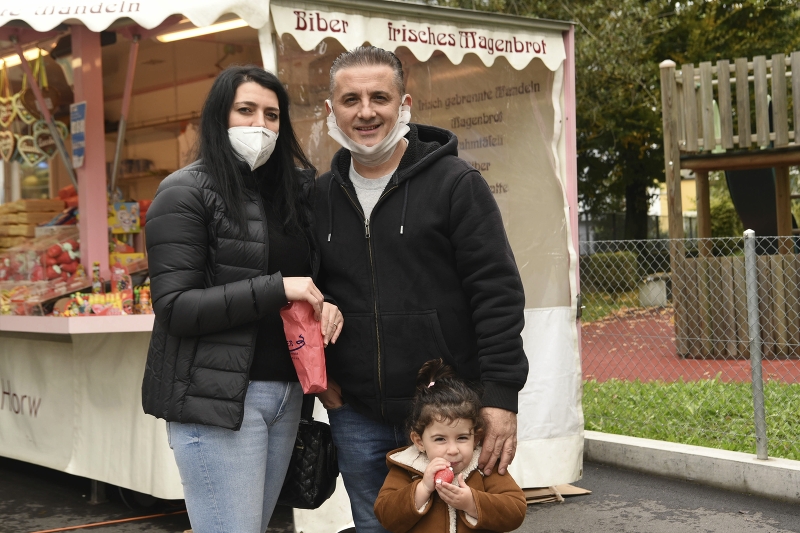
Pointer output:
x,y
380,152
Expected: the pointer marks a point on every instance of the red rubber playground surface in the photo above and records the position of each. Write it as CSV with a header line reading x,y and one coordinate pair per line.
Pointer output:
x,y
641,345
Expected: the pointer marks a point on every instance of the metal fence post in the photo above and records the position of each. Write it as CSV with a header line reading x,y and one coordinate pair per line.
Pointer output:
x,y
751,282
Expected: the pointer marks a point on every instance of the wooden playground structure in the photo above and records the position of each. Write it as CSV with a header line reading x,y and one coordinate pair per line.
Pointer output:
x,y
699,112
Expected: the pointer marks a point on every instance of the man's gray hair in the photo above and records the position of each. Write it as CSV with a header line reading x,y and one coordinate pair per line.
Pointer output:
x,y
368,56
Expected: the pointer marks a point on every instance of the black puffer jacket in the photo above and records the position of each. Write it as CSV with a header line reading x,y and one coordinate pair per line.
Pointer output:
x,y
209,289
431,276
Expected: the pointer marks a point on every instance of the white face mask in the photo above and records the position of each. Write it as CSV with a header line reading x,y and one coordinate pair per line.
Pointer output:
x,y
252,144
372,156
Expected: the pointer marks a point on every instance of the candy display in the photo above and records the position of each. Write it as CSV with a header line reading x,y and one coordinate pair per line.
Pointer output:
x,y
141,300
122,286
126,255
61,259
127,301
98,283
44,276
32,298
43,259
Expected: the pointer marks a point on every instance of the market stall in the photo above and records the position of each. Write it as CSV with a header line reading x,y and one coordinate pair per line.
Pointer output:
x,y
504,85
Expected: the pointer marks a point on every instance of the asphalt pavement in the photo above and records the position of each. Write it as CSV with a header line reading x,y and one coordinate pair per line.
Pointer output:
x,y
624,501
36,499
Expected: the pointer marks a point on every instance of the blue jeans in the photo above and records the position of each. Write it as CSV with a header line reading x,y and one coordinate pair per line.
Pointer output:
x,y
362,445
232,479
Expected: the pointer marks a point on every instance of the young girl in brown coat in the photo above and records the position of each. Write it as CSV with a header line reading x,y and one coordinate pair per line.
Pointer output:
x,y
446,428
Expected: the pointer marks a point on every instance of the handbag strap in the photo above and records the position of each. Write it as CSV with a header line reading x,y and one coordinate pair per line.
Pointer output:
x,y
307,411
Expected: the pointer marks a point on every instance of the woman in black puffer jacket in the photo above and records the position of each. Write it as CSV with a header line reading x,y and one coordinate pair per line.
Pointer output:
x,y
229,242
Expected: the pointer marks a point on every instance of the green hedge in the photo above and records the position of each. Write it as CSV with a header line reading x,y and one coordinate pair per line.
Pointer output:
x,y
611,272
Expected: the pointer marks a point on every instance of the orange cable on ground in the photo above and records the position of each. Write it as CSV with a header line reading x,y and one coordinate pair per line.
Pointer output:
x,y
95,524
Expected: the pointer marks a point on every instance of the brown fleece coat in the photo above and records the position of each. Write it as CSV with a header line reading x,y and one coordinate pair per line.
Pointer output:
x,y
500,502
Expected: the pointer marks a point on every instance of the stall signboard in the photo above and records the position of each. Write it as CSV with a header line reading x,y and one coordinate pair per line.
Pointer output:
x,y
422,37
77,129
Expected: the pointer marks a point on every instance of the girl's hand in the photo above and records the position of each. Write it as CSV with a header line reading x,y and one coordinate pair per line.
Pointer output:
x,y
458,497
426,487
331,323
303,289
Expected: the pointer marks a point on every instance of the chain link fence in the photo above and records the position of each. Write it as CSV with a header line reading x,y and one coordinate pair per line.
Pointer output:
x,y
611,227
675,348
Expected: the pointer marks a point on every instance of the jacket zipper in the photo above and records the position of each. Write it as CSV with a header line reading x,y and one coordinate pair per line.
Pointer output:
x,y
374,280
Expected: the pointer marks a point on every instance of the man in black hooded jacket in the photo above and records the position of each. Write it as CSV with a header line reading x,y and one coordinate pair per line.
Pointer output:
x,y
414,253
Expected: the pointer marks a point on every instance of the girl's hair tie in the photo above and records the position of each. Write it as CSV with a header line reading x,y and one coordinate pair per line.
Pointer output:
x,y
431,384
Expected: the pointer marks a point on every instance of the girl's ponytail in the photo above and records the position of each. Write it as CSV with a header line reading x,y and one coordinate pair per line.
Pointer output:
x,y
431,372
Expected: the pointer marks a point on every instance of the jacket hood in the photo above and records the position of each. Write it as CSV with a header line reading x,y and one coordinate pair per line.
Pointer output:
x,y
426,145
416,462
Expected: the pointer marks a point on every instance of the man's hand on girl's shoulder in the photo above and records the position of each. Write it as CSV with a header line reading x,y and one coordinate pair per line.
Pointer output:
x,y
500,440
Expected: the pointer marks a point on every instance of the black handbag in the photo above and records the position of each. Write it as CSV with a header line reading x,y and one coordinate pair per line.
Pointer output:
x,y
314,467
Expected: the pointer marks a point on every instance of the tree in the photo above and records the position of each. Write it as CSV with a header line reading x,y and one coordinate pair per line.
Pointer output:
x,y
619,45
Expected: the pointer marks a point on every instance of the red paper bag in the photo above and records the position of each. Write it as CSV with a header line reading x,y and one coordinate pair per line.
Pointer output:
x,y
304,338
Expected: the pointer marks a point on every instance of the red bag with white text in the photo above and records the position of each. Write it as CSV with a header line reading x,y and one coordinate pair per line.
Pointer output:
x,y
304,338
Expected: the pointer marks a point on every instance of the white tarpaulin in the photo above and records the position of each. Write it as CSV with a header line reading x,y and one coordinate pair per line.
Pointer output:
x,y
73,403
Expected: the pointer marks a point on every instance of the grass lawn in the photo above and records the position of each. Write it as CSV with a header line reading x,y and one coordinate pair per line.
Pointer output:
x,y
704,413
598,305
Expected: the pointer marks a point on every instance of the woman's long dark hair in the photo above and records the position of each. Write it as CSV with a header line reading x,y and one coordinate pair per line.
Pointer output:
x,y
224,166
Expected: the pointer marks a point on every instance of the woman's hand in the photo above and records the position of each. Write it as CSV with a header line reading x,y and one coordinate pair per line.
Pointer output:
x,y
331,323
303,289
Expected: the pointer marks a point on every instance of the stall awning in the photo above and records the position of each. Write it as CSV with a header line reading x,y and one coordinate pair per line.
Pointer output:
x,y
422,29
98,15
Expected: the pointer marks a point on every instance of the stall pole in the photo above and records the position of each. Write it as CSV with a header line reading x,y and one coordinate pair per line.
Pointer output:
x,y
570,129
269,52
98,493
87,64
48,119
126,104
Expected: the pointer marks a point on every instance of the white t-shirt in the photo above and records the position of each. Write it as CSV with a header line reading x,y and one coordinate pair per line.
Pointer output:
x,y
368,190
